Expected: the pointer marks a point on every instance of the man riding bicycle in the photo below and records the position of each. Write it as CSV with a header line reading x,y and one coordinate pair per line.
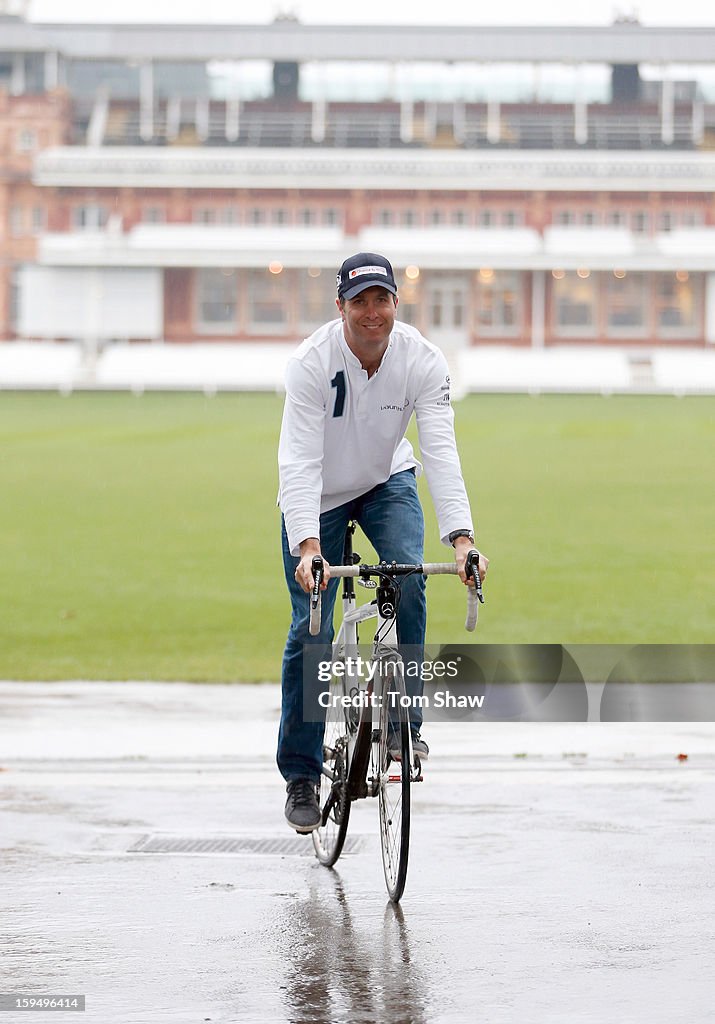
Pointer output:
x,y
351,389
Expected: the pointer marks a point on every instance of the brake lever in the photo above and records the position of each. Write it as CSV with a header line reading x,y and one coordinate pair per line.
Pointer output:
x,y
318,573
471,568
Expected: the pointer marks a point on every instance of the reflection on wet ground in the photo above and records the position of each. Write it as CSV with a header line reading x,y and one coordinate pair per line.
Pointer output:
x,y
340,970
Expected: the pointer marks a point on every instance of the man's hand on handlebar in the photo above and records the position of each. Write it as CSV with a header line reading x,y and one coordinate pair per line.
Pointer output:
x,y
462,547
309,549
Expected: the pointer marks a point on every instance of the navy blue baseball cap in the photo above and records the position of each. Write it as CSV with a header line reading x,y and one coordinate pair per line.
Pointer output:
x,y
365,270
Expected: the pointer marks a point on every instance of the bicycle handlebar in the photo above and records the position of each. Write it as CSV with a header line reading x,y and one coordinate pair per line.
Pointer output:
x,y
475,595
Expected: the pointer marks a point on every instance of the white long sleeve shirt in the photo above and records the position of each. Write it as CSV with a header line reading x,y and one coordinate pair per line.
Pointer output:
x,y
344,433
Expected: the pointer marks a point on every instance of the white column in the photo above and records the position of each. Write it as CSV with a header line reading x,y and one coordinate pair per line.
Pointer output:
x,y
667,110
430,130
17,74
98,119
233,115
698,122
493,121
580,108
317,121
536,79
458,122
407,125
580,120
710,309
173,117
146,101
52,70
538,308
493,112
202,116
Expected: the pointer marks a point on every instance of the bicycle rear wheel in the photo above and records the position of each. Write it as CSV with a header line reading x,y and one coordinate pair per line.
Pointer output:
x,y
392,780
329,837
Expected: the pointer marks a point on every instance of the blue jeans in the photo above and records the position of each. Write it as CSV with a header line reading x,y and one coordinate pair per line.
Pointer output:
x,y
391,517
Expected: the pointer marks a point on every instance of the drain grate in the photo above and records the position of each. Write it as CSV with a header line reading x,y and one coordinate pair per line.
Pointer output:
x,y
299,846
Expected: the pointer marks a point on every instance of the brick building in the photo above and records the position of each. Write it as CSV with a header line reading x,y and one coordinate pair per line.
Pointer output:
x,y
136,204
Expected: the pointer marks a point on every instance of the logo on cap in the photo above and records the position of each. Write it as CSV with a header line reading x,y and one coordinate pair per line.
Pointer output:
x,y
367,270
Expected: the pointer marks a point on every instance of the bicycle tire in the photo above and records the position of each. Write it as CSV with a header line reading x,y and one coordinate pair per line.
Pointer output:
x,y
392,780
329,837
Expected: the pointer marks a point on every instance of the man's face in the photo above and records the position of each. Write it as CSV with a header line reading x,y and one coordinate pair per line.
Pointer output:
x,y
369,317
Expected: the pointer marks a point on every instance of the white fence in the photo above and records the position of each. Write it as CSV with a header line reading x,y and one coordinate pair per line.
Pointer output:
x,y
216,367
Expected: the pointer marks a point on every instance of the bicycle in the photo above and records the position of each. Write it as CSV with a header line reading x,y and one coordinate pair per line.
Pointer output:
x,y
357,762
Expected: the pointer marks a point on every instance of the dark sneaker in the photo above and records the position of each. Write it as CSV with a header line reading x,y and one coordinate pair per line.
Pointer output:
x,y
419,747
302,810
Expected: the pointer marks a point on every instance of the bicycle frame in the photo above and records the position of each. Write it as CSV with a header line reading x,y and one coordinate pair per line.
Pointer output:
x,y
360,760
384,650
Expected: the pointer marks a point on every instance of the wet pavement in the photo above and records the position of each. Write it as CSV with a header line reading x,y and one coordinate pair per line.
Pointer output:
x,y
558,872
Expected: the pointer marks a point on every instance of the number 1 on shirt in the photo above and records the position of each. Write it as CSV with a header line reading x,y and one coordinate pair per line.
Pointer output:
x,y
338,382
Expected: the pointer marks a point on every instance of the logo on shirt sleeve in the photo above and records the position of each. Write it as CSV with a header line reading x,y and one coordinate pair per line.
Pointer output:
x,y
444,388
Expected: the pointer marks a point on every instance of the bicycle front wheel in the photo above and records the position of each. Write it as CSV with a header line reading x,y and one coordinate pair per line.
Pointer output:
x,y
392,780
329,837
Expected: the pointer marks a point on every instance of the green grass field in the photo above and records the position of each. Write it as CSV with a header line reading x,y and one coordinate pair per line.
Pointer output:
x,y
139,535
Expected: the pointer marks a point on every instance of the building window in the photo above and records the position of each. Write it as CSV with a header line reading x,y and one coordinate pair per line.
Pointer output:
x,y
307,217
565,218
331,217
459,218
678,303
269,300
626,315
14,310
691,218
589,218
640,221
216,301
616,219
666,221
485,219
511,219
574,305
17,221
229,215
153,215
447,302
256,216
205,215
409,310
499,303
279,216
436,217
384,218
316,297
26,141
408,218
90,217
38,220
436,307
